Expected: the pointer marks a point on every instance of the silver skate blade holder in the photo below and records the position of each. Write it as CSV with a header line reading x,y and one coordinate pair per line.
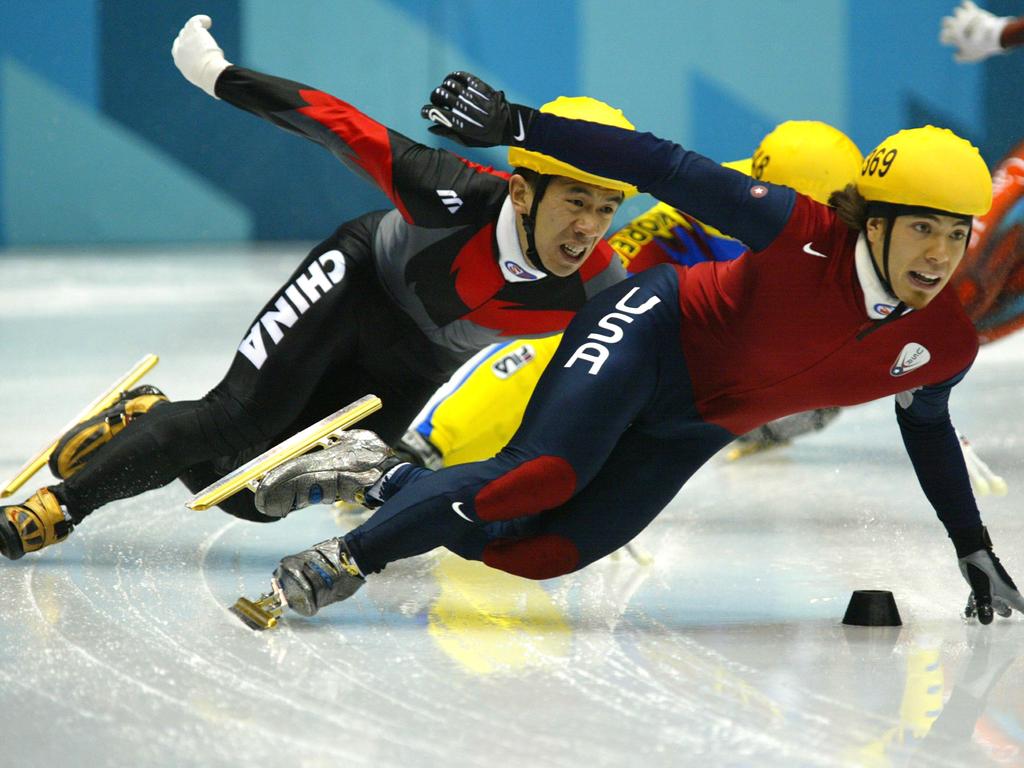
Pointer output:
x,y
321,434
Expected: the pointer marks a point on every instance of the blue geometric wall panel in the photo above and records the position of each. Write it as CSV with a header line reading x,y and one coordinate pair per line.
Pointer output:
x,y
100,183
89,94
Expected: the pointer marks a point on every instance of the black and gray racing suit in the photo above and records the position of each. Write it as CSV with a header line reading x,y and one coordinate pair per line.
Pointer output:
x,y
390,304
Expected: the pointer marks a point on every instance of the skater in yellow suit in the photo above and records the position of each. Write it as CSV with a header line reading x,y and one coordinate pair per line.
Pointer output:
x,y
476,413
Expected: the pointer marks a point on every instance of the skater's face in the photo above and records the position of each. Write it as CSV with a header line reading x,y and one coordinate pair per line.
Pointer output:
x,y
571,220
924,252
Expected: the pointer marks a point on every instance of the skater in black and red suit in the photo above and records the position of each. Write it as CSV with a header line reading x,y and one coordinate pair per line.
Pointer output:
x,y
391,303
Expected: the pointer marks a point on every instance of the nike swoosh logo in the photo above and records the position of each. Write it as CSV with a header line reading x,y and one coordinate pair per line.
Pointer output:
x,y
457,508
521,134
439,117
812,252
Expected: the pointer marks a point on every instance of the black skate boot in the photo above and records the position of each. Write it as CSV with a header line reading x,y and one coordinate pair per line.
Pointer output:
x,y
28,527
76,446
323,574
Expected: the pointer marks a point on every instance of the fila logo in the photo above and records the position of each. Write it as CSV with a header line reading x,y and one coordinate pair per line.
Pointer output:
x,y
322,275
451,199
513,361
911,357
594,351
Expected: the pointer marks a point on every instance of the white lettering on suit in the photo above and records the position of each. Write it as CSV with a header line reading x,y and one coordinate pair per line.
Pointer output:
x,y
594,351
323,274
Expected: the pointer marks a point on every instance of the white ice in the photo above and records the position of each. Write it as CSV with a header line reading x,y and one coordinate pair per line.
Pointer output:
x,y
117,648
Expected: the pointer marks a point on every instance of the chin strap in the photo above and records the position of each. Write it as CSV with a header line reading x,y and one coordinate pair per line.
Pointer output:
x,y
883,274
896,314
529,220
889,212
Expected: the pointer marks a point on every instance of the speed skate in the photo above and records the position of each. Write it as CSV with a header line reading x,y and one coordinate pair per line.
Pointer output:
x,y
263,613
100,404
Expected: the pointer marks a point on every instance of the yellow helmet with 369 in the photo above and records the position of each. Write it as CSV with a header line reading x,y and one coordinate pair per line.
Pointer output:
x,y
930,168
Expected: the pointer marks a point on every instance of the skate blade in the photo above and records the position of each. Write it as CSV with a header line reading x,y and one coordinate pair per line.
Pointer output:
x,y
101,403
248,475
260,615
742,450
639,554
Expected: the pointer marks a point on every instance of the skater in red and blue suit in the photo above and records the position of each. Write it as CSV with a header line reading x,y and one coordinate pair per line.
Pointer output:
x,y
834,305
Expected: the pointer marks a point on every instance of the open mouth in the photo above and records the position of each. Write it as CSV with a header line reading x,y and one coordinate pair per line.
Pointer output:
x,y
573,252
924,280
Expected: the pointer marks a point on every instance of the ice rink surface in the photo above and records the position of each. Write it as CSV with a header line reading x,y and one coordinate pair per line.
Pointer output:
x,y
727,650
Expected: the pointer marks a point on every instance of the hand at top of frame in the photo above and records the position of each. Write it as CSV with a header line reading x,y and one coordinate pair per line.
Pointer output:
x,y
973,31
197,55
466,109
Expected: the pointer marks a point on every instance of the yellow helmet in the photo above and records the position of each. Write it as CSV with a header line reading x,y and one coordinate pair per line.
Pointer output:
x,y
927,168
575,108
812,157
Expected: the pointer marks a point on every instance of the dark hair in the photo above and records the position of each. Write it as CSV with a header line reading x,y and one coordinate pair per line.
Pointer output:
x,y
531,176
851,207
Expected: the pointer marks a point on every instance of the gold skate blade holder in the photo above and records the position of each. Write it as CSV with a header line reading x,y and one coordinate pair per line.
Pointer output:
x,y
322,434
101,403
261,614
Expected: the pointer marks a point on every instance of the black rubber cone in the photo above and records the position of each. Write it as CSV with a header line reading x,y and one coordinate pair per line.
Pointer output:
x,y
872,608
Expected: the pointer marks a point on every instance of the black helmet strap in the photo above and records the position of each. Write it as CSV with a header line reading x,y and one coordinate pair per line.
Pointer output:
x,y
889,212
530,220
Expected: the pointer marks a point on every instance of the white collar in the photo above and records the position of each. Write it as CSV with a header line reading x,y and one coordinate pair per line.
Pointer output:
x,y
878,302
513,264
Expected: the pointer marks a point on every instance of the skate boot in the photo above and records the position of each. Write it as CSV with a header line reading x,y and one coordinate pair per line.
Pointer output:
x,y
319,576
29,527
416,449
76,446
781,432
344,471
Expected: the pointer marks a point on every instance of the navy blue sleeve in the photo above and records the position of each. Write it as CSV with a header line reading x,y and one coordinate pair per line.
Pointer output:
x,y
935,452
749,210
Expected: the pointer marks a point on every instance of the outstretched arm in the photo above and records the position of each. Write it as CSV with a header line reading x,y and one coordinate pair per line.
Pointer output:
x,y
468,110
409,173
934,450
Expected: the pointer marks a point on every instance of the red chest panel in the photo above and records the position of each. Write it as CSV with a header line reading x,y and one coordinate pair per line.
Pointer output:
x,y
776,332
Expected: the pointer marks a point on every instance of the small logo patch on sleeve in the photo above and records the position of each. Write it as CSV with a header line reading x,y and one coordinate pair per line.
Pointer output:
x,y
911,357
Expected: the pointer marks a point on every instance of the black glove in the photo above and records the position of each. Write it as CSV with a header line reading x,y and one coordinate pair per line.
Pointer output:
x,y
466,109
992,589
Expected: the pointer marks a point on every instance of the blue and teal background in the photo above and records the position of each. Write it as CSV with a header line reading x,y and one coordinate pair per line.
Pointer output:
x,y
102,141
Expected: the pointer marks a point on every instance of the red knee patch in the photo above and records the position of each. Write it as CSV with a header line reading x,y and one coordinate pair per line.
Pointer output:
x,y
534,486
541,557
